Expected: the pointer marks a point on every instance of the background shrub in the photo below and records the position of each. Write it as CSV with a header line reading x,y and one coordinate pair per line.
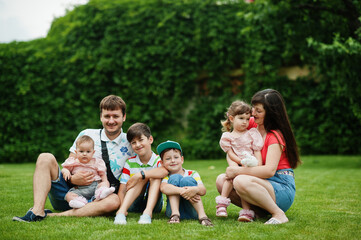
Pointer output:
x,y
179,65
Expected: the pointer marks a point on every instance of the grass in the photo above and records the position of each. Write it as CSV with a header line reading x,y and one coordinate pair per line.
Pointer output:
x,y
327,206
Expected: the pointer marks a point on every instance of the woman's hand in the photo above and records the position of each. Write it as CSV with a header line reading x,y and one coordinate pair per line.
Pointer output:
x,y
232,172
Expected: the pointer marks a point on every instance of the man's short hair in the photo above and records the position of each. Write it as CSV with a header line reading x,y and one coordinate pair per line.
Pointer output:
x,y
137,130
113,102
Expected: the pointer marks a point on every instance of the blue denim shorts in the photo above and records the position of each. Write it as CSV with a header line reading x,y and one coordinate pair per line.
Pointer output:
x,y
283,183
186,209
59,188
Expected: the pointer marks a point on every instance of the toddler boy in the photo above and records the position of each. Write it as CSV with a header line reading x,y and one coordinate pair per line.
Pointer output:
x,y
182,187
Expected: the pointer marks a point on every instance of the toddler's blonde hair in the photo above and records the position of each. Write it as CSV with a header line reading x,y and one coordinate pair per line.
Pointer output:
x,y
237,107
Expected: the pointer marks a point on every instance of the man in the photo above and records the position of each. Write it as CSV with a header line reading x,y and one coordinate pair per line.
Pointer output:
x,y
48,180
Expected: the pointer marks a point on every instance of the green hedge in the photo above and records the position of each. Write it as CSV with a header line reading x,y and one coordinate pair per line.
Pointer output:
x,y
178,65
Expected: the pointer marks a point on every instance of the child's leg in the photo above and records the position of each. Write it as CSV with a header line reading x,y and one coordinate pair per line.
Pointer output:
x,y
227,188
246,214
75,200
153,196
70,196
223,201
130,196
103,190
172,207
186,209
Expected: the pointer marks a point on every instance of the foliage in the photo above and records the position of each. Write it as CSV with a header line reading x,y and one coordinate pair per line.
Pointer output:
x,y
178,65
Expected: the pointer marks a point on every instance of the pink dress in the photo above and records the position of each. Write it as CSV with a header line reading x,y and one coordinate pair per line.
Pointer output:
x,y
249,141
95,165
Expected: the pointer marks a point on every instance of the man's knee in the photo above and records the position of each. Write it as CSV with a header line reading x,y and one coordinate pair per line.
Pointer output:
x,y
46,159
112,203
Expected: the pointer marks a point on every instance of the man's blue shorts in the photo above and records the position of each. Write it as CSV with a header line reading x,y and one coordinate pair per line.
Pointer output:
x,y
59,188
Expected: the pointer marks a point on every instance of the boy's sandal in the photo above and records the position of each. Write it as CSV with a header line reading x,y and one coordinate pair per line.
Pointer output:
x,y
206,222
175,218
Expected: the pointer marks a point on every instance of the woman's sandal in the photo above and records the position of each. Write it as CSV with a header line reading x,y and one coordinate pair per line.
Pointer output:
x,y
206,222
175,218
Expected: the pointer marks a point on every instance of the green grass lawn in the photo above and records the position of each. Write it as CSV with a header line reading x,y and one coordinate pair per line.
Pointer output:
x,y
327,206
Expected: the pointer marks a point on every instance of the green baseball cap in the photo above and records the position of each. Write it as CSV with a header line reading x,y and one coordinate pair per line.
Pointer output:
x,y
167,145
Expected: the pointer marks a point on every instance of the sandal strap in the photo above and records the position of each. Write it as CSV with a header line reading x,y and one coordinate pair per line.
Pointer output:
x,y
205,221
175,218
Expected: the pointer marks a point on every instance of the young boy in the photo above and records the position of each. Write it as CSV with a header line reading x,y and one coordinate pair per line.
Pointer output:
x,y
145,195
182,187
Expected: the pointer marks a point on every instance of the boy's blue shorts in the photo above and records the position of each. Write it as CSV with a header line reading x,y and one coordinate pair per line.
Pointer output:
x,y
284,186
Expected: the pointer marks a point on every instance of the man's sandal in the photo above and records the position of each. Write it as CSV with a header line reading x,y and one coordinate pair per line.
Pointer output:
x,y
175,218
206,222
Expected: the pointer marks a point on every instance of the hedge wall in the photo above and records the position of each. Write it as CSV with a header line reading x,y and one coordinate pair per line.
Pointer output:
x,y
178,65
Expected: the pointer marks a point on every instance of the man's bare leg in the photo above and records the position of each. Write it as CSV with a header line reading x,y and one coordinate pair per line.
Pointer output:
x,y
92,209
46,170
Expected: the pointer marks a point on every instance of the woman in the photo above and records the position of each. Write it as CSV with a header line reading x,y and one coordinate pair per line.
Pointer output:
x,y
271,186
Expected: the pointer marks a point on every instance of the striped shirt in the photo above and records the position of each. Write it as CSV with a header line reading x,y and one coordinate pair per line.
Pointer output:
x,y
134,165
187,173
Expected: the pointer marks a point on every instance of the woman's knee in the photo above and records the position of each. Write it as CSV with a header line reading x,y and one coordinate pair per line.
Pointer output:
x,y
241,182
220,181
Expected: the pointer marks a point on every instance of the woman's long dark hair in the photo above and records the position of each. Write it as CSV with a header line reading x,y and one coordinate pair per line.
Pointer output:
x,y
276,118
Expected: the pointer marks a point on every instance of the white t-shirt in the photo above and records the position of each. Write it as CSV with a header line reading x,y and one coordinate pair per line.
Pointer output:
x,y
119,149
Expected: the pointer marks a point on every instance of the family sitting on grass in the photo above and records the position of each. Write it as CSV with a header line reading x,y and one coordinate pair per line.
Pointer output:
x,y
261,153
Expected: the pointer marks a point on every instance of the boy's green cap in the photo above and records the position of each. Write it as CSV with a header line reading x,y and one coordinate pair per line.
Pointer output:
x,y
168,144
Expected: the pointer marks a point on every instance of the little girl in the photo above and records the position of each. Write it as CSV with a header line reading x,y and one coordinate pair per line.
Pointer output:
x,y
246,144
78,196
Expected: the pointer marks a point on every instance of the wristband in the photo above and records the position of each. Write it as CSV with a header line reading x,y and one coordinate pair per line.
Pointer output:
x,y
143,174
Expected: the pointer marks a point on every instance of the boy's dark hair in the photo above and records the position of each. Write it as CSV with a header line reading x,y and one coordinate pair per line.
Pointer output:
x,y
111,103
168,149
137,130
83,139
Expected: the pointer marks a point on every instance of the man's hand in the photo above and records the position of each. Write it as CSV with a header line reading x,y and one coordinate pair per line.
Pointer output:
x,y
133,180
82,178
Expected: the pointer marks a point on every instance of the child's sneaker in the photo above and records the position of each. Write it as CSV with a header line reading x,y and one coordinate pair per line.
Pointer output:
x,y
246,216
120,219
145,219
78,202
222,204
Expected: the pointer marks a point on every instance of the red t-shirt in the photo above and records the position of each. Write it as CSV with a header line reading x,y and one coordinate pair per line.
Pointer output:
x,y
272,137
